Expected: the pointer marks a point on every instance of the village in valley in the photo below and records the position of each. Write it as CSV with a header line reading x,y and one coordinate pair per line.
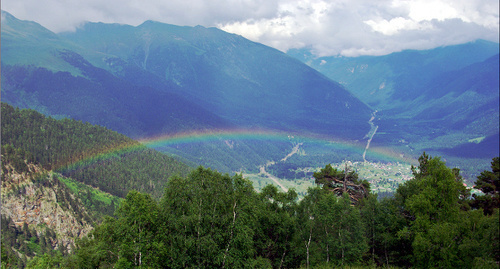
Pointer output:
x,y
384,178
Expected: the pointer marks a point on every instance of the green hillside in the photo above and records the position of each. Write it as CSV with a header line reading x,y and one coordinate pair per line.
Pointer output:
x,y
89,154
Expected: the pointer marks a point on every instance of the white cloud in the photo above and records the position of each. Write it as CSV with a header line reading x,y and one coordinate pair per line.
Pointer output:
x,y
352,28
396,25
329,27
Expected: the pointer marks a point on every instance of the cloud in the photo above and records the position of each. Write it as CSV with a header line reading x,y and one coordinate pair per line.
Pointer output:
x,y
60,16
340,27
353,28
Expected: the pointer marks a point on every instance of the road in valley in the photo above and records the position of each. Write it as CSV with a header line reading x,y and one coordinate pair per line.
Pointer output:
x,y
273,178
276,180
371,133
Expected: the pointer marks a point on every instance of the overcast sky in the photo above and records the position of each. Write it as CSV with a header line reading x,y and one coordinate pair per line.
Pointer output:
x,y
335,27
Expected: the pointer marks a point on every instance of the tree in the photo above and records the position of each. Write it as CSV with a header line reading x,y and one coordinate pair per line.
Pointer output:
x,y
340,182
349,243
277,226
307,225
434,204
442,230
46,261
209,220
330,230
379,219
489,183
137,226
128,240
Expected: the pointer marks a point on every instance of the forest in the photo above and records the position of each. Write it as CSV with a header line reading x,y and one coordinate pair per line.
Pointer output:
x,y
213,220
88,153
206,219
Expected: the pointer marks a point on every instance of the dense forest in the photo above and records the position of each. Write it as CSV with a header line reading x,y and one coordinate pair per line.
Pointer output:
x,y
211,220
90,154
207,219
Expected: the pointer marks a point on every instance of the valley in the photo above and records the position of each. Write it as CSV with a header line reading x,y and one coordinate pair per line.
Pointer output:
x,y
164,80
154,145
384,177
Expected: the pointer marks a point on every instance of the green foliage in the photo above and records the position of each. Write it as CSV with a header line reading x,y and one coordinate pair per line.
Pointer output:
x,y
90,154
330,230
346,237
17,159
96,202
9,257
276,226
45,261
342,182
214,213
211,220
488,183
443,232
22,243
204,220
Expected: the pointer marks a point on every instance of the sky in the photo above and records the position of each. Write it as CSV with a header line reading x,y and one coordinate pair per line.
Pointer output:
x,y
327,28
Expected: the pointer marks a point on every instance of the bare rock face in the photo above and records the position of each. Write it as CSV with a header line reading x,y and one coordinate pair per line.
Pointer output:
x,y
40,200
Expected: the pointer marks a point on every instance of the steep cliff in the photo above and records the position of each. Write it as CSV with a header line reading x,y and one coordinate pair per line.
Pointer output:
x,y
37,206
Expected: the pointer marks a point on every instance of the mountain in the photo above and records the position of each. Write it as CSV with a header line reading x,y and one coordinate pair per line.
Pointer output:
x,y
458,108
60,178
389,81
246,83
158,78
41,71
456,95
444,101
161,80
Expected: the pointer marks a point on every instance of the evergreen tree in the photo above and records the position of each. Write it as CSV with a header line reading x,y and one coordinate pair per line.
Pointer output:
x,y
488,183
340,182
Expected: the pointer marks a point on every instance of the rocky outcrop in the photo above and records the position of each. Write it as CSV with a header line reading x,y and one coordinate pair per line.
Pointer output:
x,y
40,200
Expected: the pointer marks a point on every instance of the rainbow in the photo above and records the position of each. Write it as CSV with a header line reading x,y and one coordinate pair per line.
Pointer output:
x,y
213,136
208,136
101,155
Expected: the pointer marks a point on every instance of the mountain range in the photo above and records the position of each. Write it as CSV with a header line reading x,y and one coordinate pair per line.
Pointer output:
x,y
203,75
444,100
389,81
157,79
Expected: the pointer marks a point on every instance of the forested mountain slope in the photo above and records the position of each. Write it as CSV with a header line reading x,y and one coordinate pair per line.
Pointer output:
x,y
242,81
40,213
61,177
456,115
90,154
